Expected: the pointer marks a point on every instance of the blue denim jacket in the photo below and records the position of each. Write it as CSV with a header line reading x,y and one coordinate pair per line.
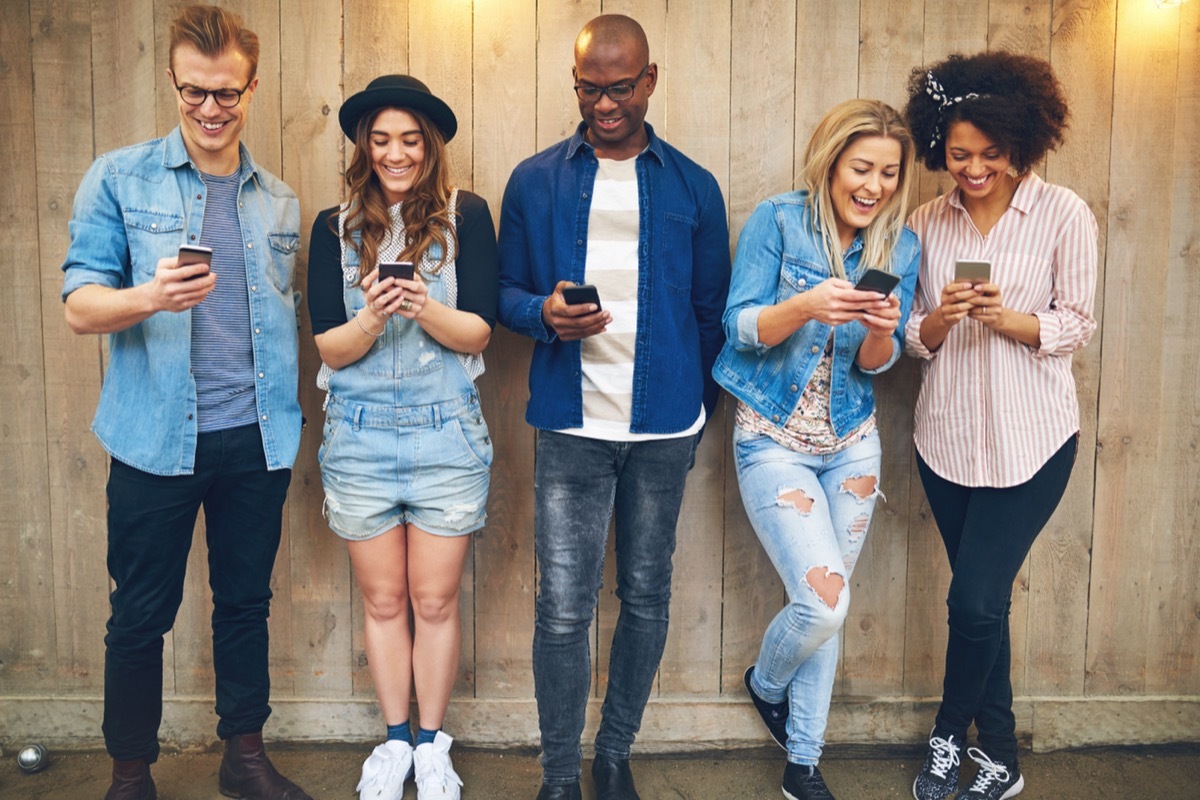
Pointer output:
x,y
780,255
135,206
683,278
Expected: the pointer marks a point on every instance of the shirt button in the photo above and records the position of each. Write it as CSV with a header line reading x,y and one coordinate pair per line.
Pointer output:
x,y
264,417
579,241
816,349
153,226
199,197
802,282
258,330
795,388
192,237
189,416
254,288
250,246
585,195
775,417
261,375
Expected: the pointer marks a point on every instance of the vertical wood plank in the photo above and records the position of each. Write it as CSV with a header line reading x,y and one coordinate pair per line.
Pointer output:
x,y
873,657
321,587
557,107
62,130
1059,565
696,103
1173,655
760,166
505,55
1129,508
27,651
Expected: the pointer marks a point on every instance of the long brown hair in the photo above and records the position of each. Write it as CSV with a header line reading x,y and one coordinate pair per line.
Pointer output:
x,y
425,212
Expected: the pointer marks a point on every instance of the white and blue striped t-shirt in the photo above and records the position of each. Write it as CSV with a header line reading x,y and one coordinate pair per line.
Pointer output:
x,y
222,357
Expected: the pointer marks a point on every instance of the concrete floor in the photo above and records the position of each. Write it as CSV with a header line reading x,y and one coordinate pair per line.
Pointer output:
x,y
331,771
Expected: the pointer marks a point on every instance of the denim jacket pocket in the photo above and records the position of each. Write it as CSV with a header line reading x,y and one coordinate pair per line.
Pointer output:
x,y
797,275
152,235
676,261
283,258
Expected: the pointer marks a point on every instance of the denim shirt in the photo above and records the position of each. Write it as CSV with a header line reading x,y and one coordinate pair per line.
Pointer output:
x,y
780,255
683,278
135,206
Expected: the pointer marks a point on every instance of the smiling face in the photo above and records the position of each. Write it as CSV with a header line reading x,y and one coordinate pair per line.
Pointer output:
x,y
211,133
864,178
977,164
397,153
615,130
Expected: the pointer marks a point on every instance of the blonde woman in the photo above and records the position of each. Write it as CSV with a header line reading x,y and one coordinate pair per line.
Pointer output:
x,y
803,346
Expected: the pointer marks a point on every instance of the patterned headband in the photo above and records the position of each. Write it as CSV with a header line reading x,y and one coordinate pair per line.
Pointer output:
x,y
938,94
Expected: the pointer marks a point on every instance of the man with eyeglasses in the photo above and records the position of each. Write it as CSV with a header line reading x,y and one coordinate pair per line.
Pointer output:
x,y
199,404
619,389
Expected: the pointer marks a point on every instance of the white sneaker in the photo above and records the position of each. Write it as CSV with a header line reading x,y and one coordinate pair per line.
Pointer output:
x,y
385,771
436,778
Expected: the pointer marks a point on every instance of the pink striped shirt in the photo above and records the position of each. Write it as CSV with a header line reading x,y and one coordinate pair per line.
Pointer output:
x,y
991,410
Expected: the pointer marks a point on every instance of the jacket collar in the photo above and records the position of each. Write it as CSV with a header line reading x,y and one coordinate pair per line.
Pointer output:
x,y
578,141
175,155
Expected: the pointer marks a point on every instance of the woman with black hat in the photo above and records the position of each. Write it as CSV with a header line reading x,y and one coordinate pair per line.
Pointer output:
x,y
406,454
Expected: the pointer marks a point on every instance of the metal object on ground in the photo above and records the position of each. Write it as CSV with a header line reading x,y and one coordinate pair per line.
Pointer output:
x,y
33,758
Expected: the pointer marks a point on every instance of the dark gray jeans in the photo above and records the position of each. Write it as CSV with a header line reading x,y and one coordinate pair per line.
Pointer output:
x,y
580,484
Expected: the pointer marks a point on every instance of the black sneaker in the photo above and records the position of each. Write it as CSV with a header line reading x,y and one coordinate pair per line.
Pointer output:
x,y
994,781
774,715
939,775
802,782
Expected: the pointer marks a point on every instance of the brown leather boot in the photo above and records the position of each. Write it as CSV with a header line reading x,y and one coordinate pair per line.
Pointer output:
x,y
246,772
131,781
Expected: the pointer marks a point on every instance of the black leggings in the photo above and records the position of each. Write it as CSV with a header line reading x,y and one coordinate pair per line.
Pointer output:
x,y
987,533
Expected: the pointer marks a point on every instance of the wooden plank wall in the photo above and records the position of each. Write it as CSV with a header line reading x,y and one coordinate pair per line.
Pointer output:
x,y
1106,612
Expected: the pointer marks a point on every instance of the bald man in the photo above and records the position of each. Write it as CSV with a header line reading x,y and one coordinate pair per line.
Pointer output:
x,y
620,384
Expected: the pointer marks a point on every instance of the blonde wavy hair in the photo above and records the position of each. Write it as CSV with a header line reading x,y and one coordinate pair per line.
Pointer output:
x,y
425,212
844,124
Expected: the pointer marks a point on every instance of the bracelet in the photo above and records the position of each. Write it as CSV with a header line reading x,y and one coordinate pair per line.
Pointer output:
x,y
372,334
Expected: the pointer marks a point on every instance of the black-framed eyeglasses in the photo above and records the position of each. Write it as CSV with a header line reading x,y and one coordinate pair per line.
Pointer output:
x,y
618,92
226,98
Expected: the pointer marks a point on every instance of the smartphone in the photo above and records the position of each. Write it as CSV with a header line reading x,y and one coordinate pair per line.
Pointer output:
x,y
581,293
966,269
876,280
396,269
193,254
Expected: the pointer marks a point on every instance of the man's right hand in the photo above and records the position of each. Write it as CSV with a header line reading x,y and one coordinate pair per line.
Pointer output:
x,y
176,288
573,322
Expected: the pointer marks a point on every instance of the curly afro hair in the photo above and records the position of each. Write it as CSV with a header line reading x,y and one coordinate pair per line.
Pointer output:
x,y
1020,106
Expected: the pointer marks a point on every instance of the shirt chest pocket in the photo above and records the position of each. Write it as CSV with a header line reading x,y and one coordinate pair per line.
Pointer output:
x,y
282,259
797,275
676,254
152,235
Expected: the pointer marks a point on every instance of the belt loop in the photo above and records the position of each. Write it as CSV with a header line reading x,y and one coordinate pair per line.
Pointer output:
x,y
358,413
437,418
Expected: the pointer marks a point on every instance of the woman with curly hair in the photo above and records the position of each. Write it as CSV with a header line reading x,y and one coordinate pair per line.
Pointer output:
x,y
803,347
406,455
997,420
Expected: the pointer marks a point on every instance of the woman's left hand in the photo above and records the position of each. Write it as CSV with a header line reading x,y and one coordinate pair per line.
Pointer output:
x,y
408,297
883,321
987,306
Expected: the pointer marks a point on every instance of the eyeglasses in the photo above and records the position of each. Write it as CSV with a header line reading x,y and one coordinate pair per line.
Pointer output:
x,y
226,98
618,92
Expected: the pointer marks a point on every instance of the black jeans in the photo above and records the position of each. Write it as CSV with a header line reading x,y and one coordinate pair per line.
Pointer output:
x,y
150,524
579,484
987,533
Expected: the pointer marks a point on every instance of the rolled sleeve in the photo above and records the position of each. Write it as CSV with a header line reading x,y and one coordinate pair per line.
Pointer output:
x,y
1069,323
99,249
755,281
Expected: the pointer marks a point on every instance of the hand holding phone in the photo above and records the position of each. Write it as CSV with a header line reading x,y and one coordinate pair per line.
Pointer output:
x,y
397,270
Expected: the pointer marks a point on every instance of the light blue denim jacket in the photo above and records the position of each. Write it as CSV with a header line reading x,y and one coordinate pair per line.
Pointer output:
x,y
135,206
780,255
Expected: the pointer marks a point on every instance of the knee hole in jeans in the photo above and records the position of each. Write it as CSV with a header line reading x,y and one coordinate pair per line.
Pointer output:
x,y
825,584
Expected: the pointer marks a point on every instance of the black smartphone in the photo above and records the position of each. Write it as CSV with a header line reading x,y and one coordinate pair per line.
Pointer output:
x,y
973,270
581,293
396,269
876,280
193,254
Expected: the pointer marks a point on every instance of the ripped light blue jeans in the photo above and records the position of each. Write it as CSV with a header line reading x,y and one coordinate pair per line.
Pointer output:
x,y
811,514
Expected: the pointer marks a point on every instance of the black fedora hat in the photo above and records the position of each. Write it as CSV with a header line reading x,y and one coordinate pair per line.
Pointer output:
x,y
399,91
